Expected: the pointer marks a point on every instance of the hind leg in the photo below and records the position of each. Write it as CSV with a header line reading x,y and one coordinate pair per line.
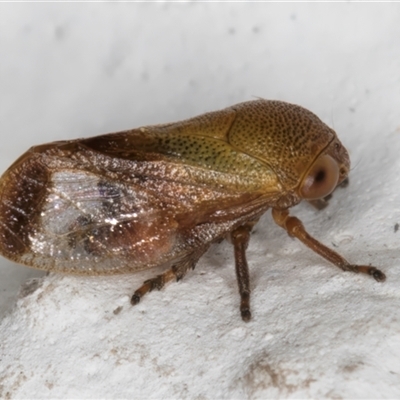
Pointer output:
x,y
177,272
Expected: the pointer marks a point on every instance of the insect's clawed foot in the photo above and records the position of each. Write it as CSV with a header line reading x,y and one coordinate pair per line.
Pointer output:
x,y
157,282
245,306
135,299
377,274
246,315
154,283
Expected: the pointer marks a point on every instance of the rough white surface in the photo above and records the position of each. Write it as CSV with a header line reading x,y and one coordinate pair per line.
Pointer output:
x,y
71,70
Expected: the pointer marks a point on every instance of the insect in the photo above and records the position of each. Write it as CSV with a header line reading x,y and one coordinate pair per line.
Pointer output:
x,y
161,195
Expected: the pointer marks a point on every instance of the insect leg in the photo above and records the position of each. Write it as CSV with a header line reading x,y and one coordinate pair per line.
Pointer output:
x,y
294,227
320,204
240,240
177,272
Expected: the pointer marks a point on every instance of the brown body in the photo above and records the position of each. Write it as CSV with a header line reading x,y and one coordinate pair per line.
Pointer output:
x,y
160,195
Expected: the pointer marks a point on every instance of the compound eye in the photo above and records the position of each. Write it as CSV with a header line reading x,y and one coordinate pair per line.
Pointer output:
x,y
321,179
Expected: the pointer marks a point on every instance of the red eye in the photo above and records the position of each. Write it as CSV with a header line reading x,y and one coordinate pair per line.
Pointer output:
x,y
321,179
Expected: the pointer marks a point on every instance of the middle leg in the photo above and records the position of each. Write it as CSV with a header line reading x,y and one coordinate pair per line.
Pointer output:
x,y
240,239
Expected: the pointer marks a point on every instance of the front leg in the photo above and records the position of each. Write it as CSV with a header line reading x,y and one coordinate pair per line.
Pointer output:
x,y
294,227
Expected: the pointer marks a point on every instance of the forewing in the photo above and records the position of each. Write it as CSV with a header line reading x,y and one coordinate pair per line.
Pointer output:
x,y
128,201
81,217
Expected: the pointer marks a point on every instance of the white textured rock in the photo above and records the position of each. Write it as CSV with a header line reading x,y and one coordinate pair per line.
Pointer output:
x,y
71,70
